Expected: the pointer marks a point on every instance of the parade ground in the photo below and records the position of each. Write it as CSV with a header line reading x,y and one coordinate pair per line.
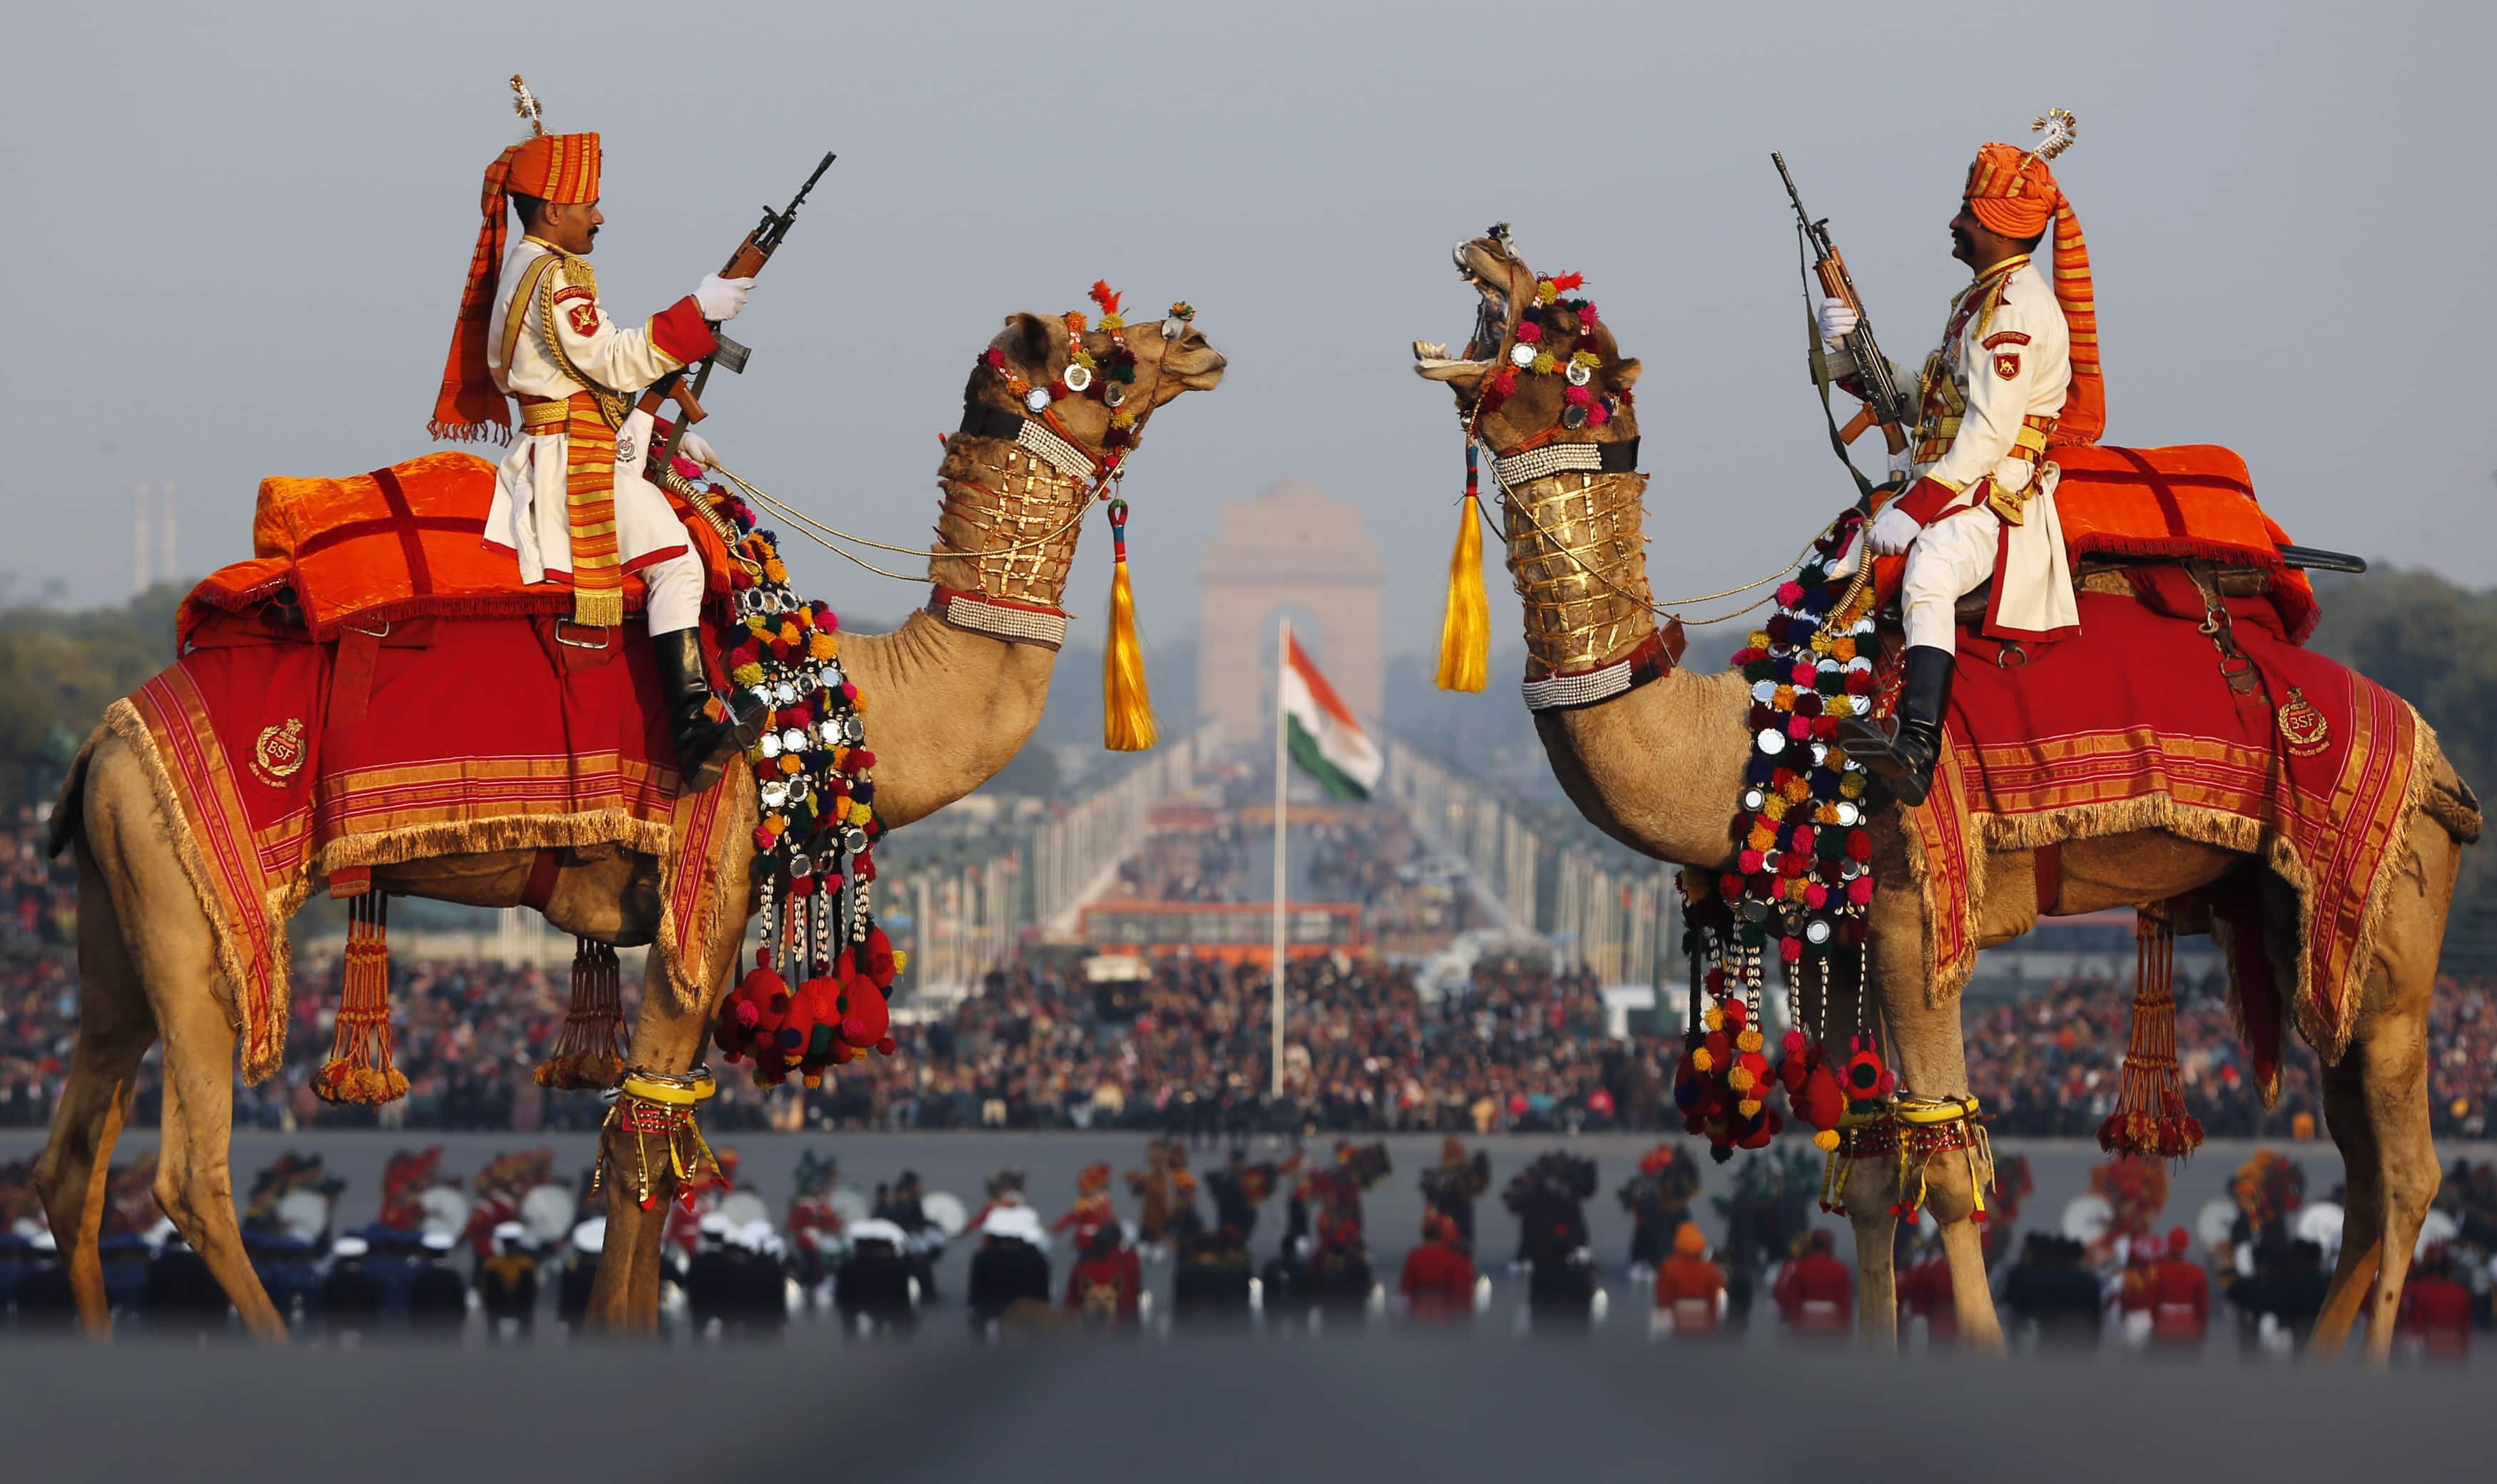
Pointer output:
x,y
1489,1409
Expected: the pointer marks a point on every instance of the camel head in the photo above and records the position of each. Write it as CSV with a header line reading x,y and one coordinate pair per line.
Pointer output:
x,y
1100,399
1507,400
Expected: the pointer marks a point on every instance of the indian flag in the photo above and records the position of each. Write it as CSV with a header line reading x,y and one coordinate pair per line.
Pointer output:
x,y
1321,732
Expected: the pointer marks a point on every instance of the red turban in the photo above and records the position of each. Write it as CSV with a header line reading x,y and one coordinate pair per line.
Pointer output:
x,y
561,167
2014,193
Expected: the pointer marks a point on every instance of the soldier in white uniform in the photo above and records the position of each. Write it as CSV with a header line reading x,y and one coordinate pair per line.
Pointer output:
x,y
2016,375
570,498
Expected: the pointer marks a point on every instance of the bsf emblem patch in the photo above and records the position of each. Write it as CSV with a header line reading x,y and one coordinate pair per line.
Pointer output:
x,y
2007,365
585,319
279,753
2301,726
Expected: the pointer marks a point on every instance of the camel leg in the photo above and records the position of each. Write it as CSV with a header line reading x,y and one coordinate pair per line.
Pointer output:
x,y
2393,1047
2353,1272
169,942
116,1028
1927,1052
666,1038
1872,1188
2377,1101
193,1173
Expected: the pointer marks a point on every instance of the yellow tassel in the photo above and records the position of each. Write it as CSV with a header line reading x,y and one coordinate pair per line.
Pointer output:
x,y
1126,701
1464,631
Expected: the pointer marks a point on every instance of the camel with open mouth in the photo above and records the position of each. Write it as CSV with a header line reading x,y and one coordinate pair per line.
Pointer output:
x,y
1656,760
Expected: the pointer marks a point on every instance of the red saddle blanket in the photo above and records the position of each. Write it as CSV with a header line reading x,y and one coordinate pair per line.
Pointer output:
x,y
2314,771
402,542
281,760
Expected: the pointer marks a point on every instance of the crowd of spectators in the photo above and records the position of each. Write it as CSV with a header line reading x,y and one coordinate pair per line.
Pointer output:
x,y
1517,1048
1188,1048
2051,1064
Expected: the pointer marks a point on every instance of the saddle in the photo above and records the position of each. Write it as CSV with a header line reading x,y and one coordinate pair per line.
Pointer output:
x,y
2178,529
361,552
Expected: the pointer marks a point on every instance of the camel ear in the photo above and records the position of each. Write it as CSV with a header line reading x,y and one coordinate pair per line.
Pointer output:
x,y
1027,341
1625,375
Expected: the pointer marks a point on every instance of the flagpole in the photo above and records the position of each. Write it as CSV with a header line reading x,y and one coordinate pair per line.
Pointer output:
x,y
1282,773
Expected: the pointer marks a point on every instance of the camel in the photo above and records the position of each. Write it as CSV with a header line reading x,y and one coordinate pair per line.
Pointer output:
x,y
950,706
1657,766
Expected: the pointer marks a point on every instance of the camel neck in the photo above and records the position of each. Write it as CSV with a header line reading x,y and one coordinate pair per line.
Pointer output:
x,y
1577,553
1009,523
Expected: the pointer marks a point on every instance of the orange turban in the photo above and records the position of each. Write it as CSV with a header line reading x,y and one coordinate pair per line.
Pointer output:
x,y
561,167
2014,193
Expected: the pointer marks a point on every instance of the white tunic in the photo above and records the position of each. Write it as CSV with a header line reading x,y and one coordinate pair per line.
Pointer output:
x,y
529,516
1986,402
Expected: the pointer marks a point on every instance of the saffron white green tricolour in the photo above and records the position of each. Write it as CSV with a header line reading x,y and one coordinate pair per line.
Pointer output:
x,y
1323,736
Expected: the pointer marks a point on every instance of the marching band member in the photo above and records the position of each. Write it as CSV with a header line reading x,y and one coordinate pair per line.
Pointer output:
x,y
569,497
2016,375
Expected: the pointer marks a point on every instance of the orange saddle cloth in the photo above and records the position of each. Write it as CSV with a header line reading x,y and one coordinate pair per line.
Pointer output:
x,y
2192,502
406,541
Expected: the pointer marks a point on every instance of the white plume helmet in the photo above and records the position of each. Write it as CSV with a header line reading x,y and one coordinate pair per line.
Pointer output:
x,y
526,103
2060,128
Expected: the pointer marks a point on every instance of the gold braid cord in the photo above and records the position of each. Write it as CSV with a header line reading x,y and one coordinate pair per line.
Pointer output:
x,y
1009,523
1577,556
654,1105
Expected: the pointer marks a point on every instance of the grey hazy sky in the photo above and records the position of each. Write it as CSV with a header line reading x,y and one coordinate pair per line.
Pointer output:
x,y
237,234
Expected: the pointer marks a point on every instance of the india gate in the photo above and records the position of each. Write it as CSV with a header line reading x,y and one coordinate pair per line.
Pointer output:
x,y
1292,550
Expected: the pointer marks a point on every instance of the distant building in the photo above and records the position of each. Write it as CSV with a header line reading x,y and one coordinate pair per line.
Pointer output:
x,y
1292,550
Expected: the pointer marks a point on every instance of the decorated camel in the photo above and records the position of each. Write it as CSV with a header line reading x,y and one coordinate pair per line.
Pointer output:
x,y
1676,764
948,699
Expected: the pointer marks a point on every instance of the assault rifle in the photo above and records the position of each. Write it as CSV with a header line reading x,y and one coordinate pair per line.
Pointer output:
x,y
1884,406
744,263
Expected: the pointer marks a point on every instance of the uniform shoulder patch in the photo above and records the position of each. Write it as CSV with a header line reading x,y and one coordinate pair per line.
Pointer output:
x,y
583,316
2007,363
571,291
1998,337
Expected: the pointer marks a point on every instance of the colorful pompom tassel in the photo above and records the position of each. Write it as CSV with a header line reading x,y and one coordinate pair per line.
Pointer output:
x,y
1126,701
589,1051
2150,1116
1465,630
360,1070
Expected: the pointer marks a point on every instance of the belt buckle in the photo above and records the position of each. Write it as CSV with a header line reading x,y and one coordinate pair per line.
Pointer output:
x,y
600,629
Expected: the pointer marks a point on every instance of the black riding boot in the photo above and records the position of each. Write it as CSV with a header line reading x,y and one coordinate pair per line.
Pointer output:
x,y
1904,758
704,747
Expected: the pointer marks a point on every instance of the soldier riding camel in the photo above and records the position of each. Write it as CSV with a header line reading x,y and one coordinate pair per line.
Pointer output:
x,y
569,498
2016,375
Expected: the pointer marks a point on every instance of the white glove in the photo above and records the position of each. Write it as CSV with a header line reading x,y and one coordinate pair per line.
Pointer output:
x,y
1891,531
1838,321
692,446
722,298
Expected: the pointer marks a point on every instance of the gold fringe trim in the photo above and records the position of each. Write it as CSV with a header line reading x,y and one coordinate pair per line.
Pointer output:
x,y
484,837
259,1062
1992,835
697,985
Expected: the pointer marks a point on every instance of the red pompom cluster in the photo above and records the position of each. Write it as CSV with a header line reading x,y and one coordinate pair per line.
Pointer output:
x,y
834,1017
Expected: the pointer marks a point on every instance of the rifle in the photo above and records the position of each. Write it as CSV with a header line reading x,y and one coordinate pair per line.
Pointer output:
x,y
1885,405
744,263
